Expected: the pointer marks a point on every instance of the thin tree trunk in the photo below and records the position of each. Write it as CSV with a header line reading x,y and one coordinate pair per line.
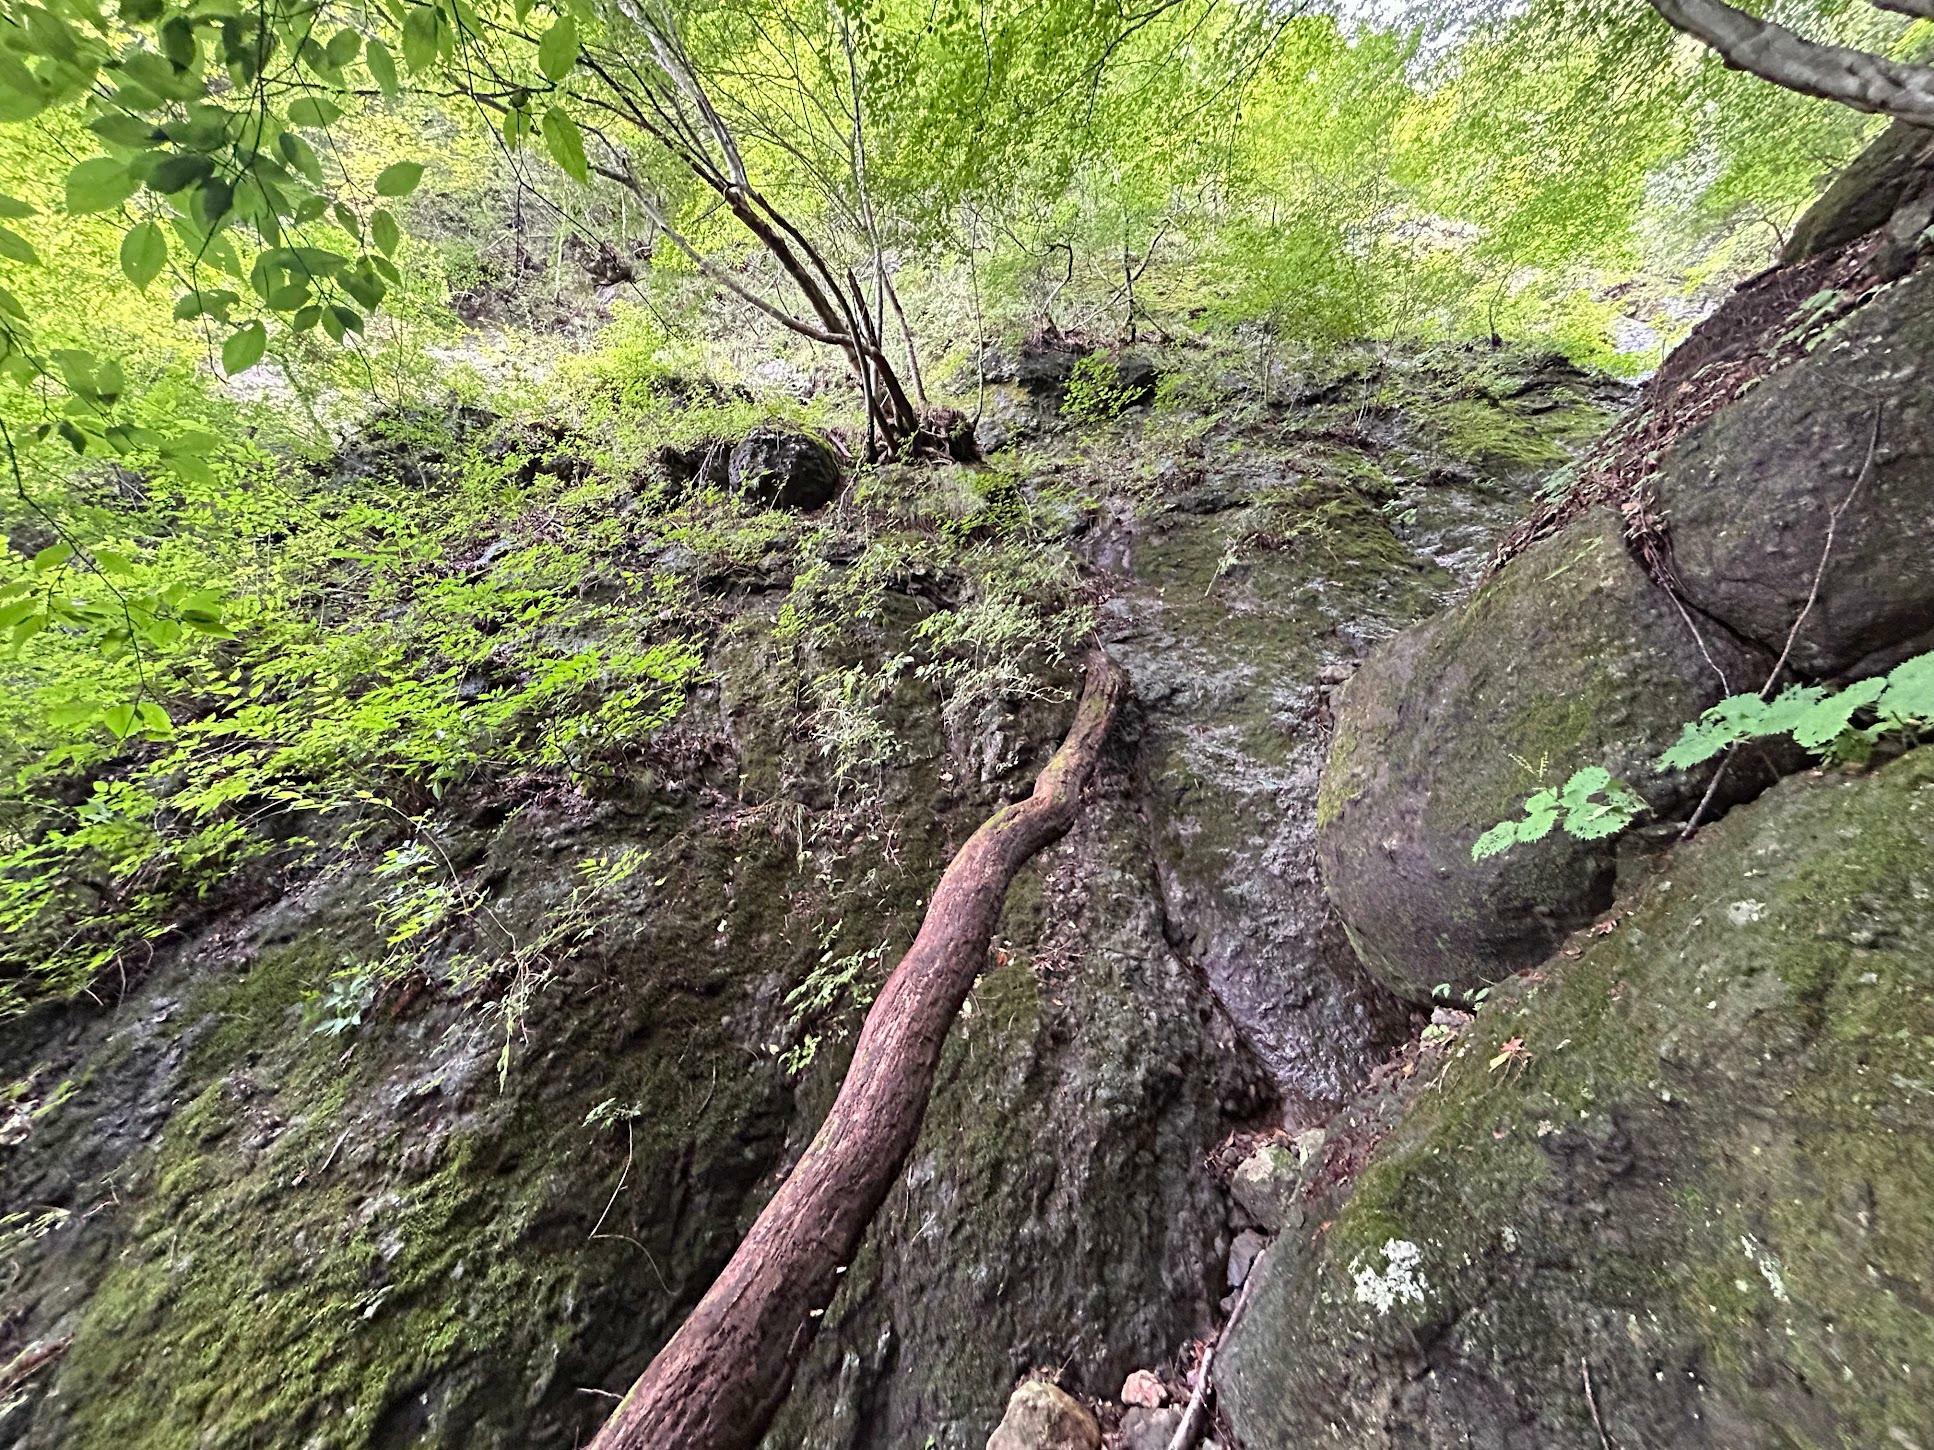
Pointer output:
x,y
721,1378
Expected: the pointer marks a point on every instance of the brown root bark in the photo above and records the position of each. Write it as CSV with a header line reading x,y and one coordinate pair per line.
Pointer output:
x,y
721,1378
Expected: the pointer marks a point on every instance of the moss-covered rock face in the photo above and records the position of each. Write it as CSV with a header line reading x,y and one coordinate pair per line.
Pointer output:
x,y
258,1213
1263,563
1683,1191
1570,657
1822,472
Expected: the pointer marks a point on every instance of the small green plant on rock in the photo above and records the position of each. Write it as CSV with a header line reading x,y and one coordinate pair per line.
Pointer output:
x,y
1095,391
1818,719
1590,806
1841,726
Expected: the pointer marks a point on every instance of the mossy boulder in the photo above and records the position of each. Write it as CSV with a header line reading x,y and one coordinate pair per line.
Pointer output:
x,y
1898,163
783,468
1843,441
1570,657
1680,1195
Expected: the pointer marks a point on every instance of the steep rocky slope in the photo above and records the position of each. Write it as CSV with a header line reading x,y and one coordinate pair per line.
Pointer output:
x,y
1669,1185
235,1220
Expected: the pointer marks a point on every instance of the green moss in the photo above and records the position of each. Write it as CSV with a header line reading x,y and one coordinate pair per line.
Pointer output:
x,y
1707,1138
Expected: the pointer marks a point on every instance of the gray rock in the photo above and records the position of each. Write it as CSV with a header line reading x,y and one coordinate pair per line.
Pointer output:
x,y
1243,1254
1864,196
1044,365
1150,1429
1571,657
1265,1182
1041,1416
1748,496
785,469
1709,1185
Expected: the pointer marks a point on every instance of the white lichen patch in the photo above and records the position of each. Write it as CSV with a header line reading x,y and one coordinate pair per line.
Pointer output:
x,y
1767,1264
1399,1281
1745,913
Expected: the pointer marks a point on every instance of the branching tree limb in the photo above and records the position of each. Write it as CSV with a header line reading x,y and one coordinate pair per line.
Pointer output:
x,y
719,1381
1856,78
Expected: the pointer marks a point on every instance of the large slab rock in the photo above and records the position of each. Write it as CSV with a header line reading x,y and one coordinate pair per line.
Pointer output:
x,y
1749,496
1897,164
1691,1207
1570,657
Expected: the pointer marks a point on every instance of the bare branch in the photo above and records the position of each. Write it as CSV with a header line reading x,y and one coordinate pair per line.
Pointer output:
x,y
1840,73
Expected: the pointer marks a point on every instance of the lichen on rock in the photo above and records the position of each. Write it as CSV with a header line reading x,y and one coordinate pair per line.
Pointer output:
x,y
1701,1182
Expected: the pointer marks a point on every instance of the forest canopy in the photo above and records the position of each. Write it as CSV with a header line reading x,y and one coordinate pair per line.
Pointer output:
x,y
234,235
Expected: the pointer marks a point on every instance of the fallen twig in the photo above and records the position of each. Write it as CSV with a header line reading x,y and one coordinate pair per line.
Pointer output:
x,y
1195,1419
1585,1369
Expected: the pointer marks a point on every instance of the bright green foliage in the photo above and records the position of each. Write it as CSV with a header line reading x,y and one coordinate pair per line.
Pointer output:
x,y
1095,391
1589,806
1900,702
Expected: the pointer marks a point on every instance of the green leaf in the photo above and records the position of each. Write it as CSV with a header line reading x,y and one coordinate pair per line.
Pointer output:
x,y
119,720
13,208
420,37
313,111
342,47
179,172
1827,720
382,65
399,178
1910,690
16,248
1494,842
383,227
244,348
557,52
154,719
566,144
98,185
144,252
52,557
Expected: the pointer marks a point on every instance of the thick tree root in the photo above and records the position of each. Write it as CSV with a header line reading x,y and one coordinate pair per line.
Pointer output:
x,y
719,1381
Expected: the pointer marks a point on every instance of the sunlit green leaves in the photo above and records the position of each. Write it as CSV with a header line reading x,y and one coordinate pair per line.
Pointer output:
x,y
565,142
313,110
384,231
99,185
421,29
399,178
557,52
244,348
144,252
382,65
16,248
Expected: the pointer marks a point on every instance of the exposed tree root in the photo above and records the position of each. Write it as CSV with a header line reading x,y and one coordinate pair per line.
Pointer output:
x,y
721,1378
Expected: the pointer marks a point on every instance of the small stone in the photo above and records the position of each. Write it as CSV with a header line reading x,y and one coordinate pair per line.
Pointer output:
x,y
1150,1429
1243,1254
1041,1416
1265,1182
1309,1145
1144,1389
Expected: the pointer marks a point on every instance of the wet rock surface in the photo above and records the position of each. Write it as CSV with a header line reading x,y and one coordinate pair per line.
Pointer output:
x,y
1248,594
1690,1206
